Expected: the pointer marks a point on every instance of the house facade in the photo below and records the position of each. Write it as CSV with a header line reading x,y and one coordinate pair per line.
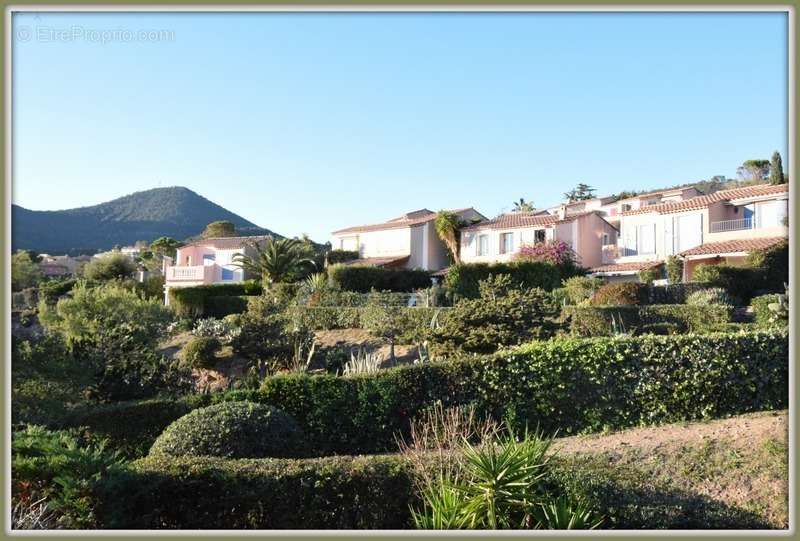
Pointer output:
x,y
501,238
697,228
208,261
408,241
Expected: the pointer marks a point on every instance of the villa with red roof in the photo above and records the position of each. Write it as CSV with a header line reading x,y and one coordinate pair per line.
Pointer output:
x,y
408,241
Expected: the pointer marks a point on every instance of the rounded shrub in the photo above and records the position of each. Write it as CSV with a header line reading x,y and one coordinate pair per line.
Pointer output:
x,y
581,288
232,430
200,351
712,295
620,294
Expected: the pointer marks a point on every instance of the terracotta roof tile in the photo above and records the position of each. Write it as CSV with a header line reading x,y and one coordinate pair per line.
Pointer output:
x,y
518,220
626,267
407,220
702,201
733,246
227,243
378,261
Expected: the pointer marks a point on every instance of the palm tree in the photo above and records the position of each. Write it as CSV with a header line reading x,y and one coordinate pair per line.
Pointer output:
x,y
279,260
523,206
447,227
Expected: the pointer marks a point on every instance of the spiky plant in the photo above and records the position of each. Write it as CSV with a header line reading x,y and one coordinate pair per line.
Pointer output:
x,y
447,226
278,260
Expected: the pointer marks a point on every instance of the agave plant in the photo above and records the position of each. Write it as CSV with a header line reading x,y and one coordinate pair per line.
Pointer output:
x,y
363,362
278,260
564,513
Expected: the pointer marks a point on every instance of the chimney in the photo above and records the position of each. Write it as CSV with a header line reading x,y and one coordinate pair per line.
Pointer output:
x,y
562,212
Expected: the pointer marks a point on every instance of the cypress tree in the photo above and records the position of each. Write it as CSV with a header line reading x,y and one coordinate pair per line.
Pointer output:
x,y
776,169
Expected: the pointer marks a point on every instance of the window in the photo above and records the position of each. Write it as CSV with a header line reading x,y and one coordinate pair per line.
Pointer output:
x,y
646,242
227,274
208,259
689,231
606,239
483,244
506,243
539,235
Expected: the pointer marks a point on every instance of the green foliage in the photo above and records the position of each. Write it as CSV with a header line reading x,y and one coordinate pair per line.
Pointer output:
x,y
710,296
674,267
673,293
740,282
774,262
52,290
522,205
776,169
462,280
25,272
447,226
165,246
220,228
342,256
367,492
756,170
194,301
201,352
620,294
581,192
580,289
63,468
114,266
277,260
232,430
152,287
222,306
131,427
502,315
651,274
605,320
363,279
766,312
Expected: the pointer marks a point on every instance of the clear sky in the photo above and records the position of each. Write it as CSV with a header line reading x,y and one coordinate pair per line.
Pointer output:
x,y
306,123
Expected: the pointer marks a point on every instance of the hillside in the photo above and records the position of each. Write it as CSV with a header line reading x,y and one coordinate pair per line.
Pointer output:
x,y
175,212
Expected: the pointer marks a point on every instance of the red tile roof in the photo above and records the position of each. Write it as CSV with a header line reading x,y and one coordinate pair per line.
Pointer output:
x,y
702,201
519,220
626,267
733,246
406,220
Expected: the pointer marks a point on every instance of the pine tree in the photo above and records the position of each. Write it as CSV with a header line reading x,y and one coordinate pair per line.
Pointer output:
x,y
776,169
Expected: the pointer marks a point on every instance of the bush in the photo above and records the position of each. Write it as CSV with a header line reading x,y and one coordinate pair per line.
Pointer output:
x,y
131,427
674,265
581,288
194,301
61,468
225,329
651,274
741,282
201,352
220,307
232,430
764,315
342,256
502,316
363,279
673,293
774,262
115,266
710,296
52,290
462,279
569,384
620,294
590,321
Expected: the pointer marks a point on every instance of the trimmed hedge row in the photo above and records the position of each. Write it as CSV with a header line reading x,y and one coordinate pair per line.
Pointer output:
x,y
220,307
673,293
571,385
195,301
364,279
462,279
664,318
350,317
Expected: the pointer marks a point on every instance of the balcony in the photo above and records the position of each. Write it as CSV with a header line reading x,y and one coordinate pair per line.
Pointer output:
x,y
194,273
731,225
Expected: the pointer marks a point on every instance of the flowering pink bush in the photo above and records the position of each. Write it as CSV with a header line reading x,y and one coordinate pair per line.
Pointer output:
x,y
557,253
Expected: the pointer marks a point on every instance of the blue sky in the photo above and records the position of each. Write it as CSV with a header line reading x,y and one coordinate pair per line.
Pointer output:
x,y
306,123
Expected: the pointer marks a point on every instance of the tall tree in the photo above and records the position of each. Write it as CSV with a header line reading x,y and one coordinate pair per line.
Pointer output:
x,y
523,206
278,260
220,228
25,272
776,169
165,246
581,192
753,170
448,225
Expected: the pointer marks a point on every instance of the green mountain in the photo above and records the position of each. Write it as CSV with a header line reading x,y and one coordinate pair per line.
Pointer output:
x,y
173,212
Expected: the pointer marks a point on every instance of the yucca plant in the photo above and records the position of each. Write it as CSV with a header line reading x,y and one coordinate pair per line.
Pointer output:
x,y
362,362
564,513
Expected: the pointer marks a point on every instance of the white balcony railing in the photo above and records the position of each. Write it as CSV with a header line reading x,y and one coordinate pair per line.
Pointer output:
x,y
732,225
195,273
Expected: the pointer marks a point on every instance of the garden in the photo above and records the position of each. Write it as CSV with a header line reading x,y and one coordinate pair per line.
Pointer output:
x,y
368,398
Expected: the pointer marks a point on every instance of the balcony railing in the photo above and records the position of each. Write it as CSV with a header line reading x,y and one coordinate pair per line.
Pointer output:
x,y
194,273
732,225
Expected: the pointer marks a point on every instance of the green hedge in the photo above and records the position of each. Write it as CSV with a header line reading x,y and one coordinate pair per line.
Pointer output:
x,y
600,320
220,307
741,282
195,301
349,317
364,279
206,493
133,426
462,279
761,312
673,293
572,385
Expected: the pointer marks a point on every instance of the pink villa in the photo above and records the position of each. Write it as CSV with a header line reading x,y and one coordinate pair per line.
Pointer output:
x,y
208,261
